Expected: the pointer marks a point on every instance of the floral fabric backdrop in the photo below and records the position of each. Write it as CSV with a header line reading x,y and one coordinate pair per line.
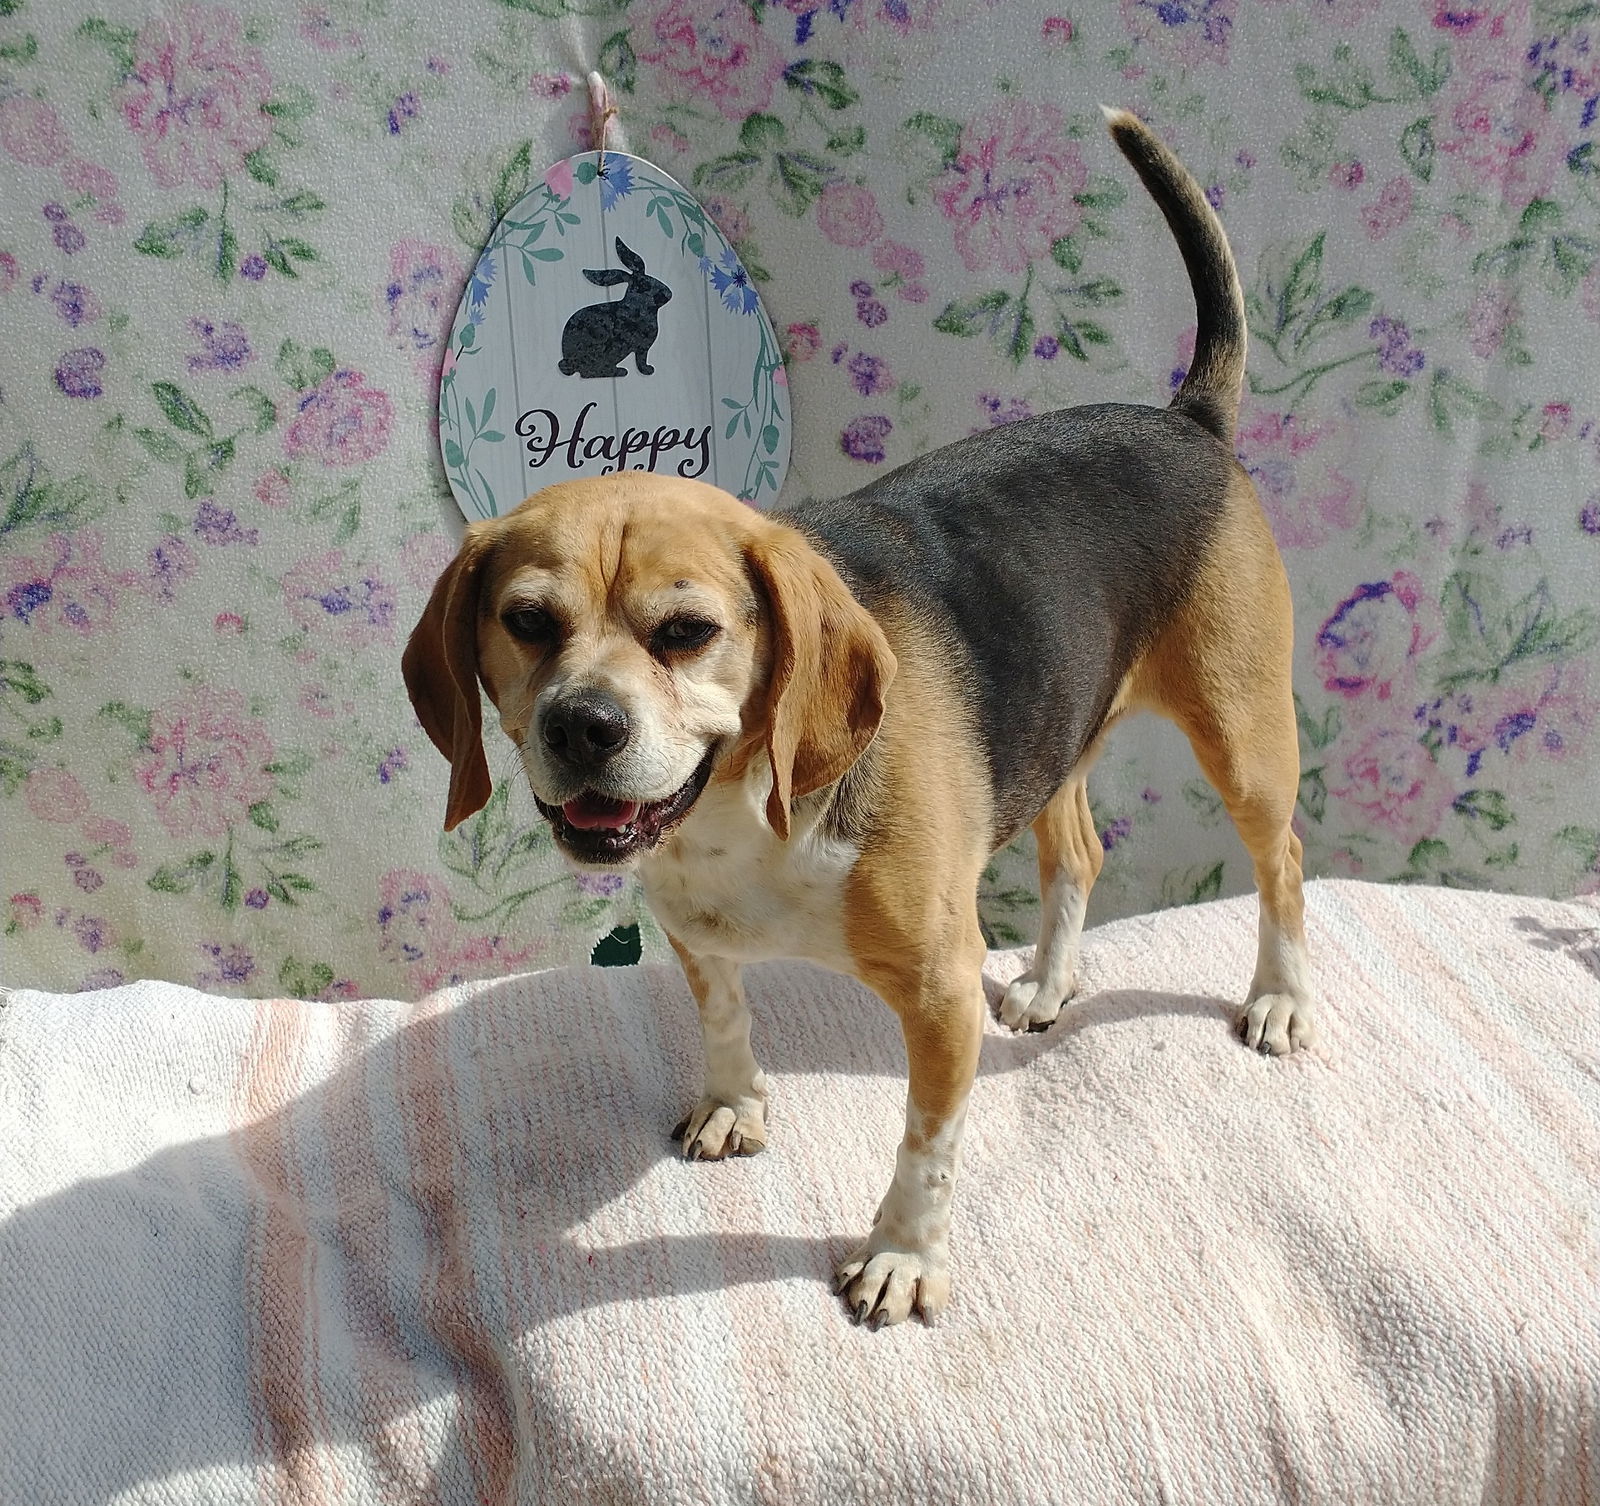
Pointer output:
x,y
231,241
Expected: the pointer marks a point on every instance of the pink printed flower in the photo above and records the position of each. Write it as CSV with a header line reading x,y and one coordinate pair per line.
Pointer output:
x,y
272,489
424,282
341,421
354,604
25,912
1497,131
196,97
801,342
1187,32
709,49
1306,496
418,931
31,132
1490,318
1371,643
1010,194
848,215
70,587
55,795
423,557
206,764
730,218
898,260
1394,782
558,178
1390,210
86,177
9,272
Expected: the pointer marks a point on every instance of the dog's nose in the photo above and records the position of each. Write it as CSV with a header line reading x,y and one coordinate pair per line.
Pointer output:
x,y
586,729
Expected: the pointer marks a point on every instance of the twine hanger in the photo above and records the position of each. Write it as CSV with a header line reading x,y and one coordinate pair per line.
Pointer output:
x,y
601,113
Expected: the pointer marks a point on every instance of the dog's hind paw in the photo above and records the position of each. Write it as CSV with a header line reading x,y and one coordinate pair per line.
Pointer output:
x,y
1276,1024
712,1130
1033,1003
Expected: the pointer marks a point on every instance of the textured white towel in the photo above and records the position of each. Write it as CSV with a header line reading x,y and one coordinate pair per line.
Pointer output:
x,y
278,1252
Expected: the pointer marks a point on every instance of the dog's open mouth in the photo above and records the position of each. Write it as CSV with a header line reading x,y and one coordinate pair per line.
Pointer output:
x,y
597,829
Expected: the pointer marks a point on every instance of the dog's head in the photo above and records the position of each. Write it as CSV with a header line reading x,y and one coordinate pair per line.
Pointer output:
x,y
641,636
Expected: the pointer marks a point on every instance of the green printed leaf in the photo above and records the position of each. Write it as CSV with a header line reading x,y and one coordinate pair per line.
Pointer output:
x,y
618,62
968,316
263,815
822,78
172,237
761,133
260,167
1488,806
1417,147
160,444
727,174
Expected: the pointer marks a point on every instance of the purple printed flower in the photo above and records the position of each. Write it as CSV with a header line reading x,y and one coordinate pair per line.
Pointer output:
x,y
1589,518
863,438
69,239
253,268
75,303
1047,347
93,933
1396,354
225,346
406,107
861,288
256,899
170,562
423,282
1371,643
78,372
601,885
355,604
1000,410
230,965
394,762
1116,832
870,374
218,526
871,312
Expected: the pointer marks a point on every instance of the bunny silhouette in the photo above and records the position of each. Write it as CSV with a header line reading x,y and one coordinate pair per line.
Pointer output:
x,y
600,336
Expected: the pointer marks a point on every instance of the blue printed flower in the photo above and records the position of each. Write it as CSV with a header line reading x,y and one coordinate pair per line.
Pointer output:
x,y
478,285
731,281
616,180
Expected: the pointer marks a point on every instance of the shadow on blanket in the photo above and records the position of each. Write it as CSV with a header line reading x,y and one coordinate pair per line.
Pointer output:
x,y
447,1197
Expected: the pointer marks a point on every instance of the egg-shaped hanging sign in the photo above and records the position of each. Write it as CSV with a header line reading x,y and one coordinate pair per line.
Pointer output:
x,y
609,326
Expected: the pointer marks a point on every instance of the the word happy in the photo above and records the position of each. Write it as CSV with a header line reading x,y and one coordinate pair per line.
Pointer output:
x,y
542,429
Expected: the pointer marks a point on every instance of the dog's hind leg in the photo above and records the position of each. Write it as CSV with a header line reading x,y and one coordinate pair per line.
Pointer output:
x,y
1222,673
1070,858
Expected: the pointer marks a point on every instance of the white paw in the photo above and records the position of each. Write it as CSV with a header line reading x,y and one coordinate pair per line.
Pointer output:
x,y
1276,1024
713,1129
882,1285
1032,1003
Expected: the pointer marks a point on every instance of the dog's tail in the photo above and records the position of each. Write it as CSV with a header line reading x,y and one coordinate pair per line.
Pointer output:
x,y
1210,392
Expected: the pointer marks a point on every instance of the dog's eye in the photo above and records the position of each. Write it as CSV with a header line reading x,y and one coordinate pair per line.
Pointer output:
x,y
531,624
678,634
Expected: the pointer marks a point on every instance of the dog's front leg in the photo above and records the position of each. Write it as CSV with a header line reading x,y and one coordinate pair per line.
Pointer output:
x,y
904,1265
731,1117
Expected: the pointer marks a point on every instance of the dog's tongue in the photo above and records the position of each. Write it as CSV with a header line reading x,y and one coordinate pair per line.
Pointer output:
x,y
589,812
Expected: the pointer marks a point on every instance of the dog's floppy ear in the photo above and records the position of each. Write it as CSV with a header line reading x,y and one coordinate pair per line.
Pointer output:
x,y
440,665
831,666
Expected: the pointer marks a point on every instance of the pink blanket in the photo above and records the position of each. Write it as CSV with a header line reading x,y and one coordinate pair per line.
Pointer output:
x,y
279,1252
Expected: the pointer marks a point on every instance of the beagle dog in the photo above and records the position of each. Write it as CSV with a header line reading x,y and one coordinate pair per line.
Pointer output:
x,y
808,731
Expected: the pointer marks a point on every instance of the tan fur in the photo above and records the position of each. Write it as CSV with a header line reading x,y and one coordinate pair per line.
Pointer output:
x,y
1222,672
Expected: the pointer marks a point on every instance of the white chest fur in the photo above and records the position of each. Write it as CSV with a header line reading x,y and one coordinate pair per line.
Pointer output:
x,y
725,886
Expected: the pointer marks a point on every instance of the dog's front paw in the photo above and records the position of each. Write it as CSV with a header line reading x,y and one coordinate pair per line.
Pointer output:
x,y
1276,1024
882,1283
1032,1003
713,1129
